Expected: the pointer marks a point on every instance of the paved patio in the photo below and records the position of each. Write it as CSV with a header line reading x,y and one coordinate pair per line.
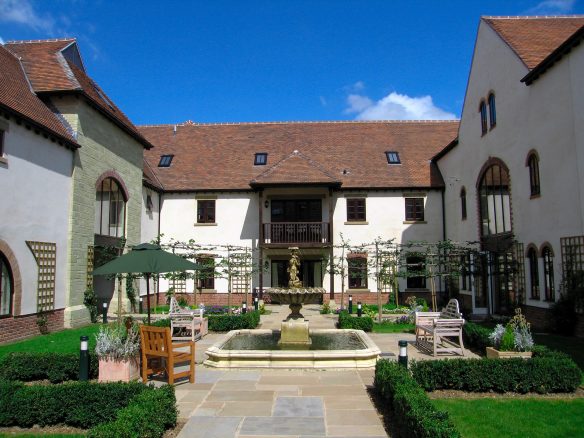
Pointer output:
x,y
284,403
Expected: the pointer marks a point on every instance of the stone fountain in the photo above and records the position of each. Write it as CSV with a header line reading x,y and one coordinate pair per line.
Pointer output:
x,y
295,332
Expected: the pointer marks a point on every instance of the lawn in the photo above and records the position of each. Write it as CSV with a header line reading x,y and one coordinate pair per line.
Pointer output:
x,y
64,341
515,418
390,327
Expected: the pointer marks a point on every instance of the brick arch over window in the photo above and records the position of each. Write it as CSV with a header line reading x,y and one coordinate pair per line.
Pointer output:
x,y
115,175
16,278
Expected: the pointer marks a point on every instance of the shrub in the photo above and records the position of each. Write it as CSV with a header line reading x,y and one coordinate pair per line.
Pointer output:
x,y
325,309
347,321
56,367
117,343
224,323
414,415
476,337
164,322
546,372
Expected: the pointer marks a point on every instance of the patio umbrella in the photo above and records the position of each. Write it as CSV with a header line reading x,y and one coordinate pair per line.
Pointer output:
x,y
148,259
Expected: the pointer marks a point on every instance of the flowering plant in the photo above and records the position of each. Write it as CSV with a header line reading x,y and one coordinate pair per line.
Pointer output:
x,y
515,336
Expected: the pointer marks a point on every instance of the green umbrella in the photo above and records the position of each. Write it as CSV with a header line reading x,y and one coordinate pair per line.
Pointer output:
x,y
148,259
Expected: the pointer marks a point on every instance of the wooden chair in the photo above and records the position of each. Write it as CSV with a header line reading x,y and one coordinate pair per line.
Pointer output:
x,y
157,347
435,330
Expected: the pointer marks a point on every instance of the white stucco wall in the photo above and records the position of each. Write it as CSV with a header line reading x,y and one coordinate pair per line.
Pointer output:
x,y
34,205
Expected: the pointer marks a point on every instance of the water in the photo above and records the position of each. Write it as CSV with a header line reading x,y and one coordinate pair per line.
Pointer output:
x,y
320,341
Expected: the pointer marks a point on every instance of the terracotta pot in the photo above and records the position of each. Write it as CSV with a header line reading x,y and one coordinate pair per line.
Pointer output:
x,y
119,371
496,354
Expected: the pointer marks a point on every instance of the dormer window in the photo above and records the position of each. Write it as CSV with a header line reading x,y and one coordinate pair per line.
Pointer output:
x,y
392,157
165,160
260,159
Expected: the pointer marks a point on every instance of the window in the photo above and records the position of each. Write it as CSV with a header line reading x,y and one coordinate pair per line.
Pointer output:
x,y
533,272
356,210
110,209
165,160
533,164
206,275
548,273
260,159
392,157
6,287
483,112
416,267
357,271
149,204
206,211
492,111
463,203
414,209
1,143
495,201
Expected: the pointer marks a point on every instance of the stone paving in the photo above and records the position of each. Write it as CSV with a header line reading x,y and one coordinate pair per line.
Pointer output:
x,y
284,403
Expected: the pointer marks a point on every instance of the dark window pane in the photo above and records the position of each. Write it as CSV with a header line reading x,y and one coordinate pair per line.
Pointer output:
x,y
463,203
206,211
260,159
356,209
392,157
357,273
165,160
492,110
548,273
416,267
533,273
414,209
483,112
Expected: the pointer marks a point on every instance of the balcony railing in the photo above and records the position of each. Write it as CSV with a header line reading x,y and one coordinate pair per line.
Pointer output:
x,y
296,232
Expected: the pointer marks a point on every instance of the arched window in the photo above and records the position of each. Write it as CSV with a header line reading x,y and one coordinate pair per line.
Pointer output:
x,y
483,112
6,287
463,203
548,273
495,200
110,209
492,111
533,272
533,164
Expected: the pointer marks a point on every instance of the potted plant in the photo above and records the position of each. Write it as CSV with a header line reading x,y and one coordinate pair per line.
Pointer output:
x,y
513,340
118,351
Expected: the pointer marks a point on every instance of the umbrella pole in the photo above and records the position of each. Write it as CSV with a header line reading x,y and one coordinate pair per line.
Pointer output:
x,y
148,295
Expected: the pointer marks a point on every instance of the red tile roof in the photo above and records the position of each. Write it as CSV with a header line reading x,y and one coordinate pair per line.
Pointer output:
x,y
49,72
534,38
221,156
149,178
16,96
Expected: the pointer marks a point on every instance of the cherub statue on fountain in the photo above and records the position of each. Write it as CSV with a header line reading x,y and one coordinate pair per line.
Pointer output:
x,y
293,267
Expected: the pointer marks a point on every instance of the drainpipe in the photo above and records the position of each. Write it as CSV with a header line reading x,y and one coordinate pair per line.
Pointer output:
x,y
159,216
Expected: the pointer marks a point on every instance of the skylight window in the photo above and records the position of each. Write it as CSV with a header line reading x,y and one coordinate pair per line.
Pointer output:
x,y
260,159
392,157
165,160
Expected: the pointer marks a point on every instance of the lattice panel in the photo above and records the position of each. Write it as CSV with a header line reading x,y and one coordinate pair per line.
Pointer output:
x,y
179,285
573,263
45,254
241,272
90,264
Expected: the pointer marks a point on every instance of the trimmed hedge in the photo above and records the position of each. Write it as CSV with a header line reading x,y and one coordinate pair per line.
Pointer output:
x,y
55,367
77,404
347,321
224,323
546,372
413,413
476,337
148,415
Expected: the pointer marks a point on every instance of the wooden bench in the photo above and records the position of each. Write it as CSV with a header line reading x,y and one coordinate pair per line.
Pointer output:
x,y
187,324
435,330
160,354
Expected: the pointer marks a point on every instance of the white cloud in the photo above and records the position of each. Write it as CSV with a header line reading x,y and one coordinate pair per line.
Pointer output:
x,y
395,106
22,12
551,7
354,88
1,41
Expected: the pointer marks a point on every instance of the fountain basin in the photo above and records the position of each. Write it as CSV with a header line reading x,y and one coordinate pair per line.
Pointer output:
x,y
296,295
259,349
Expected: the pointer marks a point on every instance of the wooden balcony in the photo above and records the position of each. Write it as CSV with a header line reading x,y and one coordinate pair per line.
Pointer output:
x,y
296,233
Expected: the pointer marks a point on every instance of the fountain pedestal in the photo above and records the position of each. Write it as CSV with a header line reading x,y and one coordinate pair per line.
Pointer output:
x,y
295,334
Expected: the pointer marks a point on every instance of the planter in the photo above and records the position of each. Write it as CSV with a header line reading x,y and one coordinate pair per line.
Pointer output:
x,y
496,354
119,371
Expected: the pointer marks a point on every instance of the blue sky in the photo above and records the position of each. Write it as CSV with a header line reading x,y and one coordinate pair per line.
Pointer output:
x,y
238,61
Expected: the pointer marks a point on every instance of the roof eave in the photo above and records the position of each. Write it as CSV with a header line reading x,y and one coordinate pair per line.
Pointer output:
x,y
444,151
254,184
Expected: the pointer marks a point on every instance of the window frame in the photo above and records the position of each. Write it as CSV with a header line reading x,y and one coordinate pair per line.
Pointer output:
x,y
492,110
416,211
483,116
203,211
496,199
165,160
4,262
116,218
259,162
392,157
354,205
547,255
533,261
357,271
534,179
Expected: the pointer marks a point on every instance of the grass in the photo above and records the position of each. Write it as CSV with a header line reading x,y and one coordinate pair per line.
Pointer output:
x,y
521,418
390,327
64,341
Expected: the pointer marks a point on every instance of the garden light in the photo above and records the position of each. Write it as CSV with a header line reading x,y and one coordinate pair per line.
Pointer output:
x,y
403,353
359,309
243,307
350,304
141,302
256,303
104,312
84,360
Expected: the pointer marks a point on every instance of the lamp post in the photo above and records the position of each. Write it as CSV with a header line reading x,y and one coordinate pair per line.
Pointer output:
x,y
104,304
350,304
141,304
359,309
256,303
244,307
403,353
84,359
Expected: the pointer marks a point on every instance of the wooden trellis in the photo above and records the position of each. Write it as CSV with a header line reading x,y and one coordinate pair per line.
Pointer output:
x,y
573,264
45,254
179,285
90,259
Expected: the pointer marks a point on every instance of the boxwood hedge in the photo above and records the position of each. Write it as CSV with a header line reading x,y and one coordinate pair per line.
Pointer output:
x,y
347,321
55,367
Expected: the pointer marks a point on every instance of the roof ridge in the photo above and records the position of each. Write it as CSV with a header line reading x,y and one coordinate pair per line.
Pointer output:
x,y
528,17
48,40
297,122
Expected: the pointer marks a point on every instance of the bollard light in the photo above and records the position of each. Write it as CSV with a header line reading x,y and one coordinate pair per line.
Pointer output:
x,y
403,353
243,307
104,312
84,359
359,309
350,304
256,303
141,304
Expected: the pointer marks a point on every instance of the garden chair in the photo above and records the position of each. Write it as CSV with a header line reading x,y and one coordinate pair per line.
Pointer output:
x,y
185,323
437,331
160,354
